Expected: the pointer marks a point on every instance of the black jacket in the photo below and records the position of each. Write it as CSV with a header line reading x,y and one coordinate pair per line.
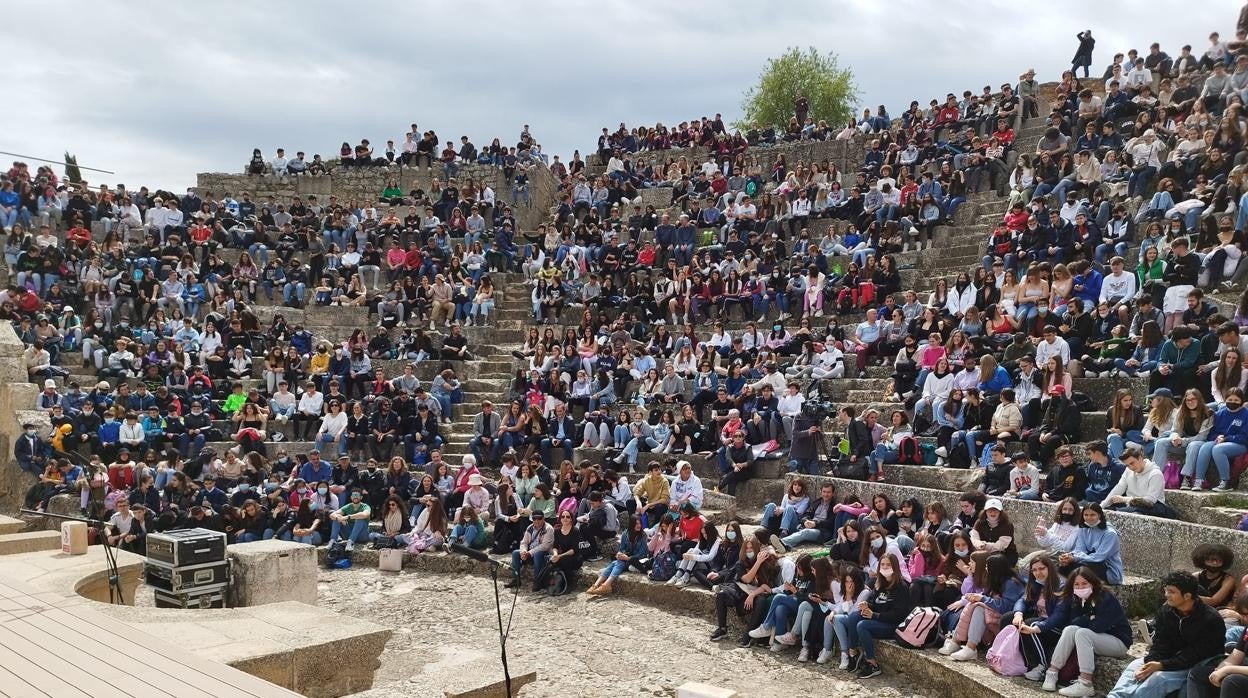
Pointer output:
x,y
859,438
1061,416
1181,642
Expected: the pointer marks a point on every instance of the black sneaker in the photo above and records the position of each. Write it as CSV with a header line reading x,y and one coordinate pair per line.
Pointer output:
x,y
719,634
854,661
514,582
745,641
868,670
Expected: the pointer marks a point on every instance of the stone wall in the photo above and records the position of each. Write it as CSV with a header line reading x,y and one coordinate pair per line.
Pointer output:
x,y
846,155
17,397
364,185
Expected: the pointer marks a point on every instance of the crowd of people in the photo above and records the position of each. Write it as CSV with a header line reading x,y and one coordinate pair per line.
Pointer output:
x,y
1124,220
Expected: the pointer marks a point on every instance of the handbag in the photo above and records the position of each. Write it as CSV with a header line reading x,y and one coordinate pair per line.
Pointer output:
x,y
390,559
1005,656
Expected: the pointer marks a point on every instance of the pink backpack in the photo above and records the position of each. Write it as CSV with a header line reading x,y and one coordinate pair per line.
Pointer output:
x,y
567,504
1005,656
920,629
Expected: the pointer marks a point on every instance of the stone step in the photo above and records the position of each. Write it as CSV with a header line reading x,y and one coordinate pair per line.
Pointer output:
x,y
29,542
10,525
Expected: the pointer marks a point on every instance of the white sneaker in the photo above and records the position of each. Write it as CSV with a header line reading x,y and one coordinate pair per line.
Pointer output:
x,y
1050,681
349,546
672,581
942,452
965,654
684,581
804,655
824,656
1035,674
787,639
1078,689
760,632
949,647
775,645
844,661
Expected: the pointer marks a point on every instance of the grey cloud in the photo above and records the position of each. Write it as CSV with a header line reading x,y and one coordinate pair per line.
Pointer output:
x,y
159,91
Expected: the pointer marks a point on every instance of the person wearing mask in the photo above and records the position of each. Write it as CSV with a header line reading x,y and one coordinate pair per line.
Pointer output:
x,y
1226,441
1091,622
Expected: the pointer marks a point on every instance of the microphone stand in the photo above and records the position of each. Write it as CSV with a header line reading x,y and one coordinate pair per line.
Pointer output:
x,y
110,554
503,633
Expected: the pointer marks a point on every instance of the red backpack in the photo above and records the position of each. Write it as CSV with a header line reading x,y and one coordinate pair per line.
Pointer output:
x,y
908,451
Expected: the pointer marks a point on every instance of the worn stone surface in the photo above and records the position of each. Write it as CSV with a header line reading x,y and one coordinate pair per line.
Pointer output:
x,y
16,394
295,645
444,622
271,571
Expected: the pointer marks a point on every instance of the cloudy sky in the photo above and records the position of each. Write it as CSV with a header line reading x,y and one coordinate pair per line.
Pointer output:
x,y
159,91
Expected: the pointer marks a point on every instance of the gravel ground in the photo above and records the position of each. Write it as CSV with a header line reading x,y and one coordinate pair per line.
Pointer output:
x,y
446,625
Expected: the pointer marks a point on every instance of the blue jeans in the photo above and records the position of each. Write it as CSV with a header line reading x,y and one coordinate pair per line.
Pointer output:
x,y
1138,182
324,440
312,538
1158,685
839,630
248,537
565,449
783,607
802,535
538,559
633,447
1025,312
358,533
1222,454
293,291
468,535
1031,495
1117,443
789,518
614,569
1103,250
862,633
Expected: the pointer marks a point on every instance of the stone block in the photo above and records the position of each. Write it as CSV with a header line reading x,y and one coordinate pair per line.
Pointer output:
x,y
469,684
702,690
272,571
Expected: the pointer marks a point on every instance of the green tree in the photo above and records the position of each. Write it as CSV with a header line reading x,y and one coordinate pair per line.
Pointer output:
x,y
828,87
72,173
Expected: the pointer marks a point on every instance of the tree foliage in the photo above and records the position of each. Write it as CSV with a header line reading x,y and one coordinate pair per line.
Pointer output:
x,y
828,87
72,173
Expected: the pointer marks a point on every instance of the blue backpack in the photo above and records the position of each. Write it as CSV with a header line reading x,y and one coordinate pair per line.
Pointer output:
x,y
663,567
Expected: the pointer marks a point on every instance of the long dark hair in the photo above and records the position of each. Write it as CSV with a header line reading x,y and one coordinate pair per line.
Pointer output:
x,y
997,573
1052,583
883,584
1091,577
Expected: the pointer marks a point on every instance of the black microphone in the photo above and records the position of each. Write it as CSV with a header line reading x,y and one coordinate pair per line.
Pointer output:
x,y
478,555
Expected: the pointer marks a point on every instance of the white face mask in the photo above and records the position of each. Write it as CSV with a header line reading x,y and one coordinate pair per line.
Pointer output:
x,y
731,535
877,543
1082,592
886,572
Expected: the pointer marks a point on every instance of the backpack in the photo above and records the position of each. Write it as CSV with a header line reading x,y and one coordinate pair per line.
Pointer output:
x,y
920,629
663,566
1082,402
1171,475
1238,466
559,584
908,451
336,554
927,453
1005,656
959,456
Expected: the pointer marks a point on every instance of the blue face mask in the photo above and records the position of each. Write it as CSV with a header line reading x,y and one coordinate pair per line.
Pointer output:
x,y
243,487
961,553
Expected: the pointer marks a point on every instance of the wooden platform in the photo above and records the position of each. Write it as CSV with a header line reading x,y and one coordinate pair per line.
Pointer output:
x,y
54,649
